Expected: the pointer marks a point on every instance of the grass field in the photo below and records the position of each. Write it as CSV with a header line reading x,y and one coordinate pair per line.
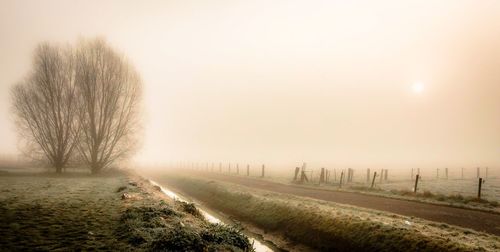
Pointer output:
x,y
467,187
453,191
330,226
117,212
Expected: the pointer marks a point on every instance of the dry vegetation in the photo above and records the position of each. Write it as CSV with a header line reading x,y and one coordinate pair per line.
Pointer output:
x,y
330,226
426,196
452,192
81,212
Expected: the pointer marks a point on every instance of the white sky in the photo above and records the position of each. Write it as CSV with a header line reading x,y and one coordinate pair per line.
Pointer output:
x,y
289,81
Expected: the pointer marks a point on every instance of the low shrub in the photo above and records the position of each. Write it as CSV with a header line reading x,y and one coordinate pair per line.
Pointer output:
x,y
220,234
178,239
190,208
406,193
140,225
160,228
121,188
427,194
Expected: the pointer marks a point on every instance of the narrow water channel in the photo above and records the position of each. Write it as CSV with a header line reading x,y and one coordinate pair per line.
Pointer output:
x,y
258,245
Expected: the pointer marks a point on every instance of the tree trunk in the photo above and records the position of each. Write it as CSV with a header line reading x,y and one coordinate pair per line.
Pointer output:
x,y
95,169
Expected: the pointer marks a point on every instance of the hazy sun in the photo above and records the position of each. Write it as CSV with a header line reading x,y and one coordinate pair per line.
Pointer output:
x,y
418,87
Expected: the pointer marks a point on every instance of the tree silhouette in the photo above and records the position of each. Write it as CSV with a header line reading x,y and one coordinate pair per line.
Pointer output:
x,y
109,92
44,105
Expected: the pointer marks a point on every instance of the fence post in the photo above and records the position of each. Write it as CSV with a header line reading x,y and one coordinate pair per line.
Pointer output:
x,y
238,169
334,175
416,184
327,176
437,173
386,174
263,172
248,170
341,178
322,176
296,173
303,176
368,175
478,172
479,188
373,180
381,175
446,172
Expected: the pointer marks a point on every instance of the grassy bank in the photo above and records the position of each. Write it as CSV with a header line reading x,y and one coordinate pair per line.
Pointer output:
x,y
330,226
119,212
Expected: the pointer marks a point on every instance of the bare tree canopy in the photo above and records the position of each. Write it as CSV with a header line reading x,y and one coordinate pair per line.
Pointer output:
x,y
109,92
84,99
44,105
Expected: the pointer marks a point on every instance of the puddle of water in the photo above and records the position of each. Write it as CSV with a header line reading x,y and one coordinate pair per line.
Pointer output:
x,y
257,245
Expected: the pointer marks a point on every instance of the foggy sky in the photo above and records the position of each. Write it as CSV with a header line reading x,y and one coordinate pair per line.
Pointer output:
x,y
289,81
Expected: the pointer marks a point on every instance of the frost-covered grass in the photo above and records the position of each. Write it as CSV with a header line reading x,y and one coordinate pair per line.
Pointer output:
x,y
44,212
452,192
330,226
399,180
82,212
467,188
429,196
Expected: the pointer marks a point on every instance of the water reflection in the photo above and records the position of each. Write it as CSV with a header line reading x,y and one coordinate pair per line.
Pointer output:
x,y
257,245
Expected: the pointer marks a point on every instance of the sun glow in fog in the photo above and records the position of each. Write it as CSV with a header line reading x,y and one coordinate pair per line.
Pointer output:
x,y
417,87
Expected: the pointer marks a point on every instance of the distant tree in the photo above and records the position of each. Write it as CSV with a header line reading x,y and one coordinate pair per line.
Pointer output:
x,y
109,94
44,105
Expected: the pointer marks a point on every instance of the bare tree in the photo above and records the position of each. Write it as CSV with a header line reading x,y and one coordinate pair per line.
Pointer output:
x,y
44,105
109,92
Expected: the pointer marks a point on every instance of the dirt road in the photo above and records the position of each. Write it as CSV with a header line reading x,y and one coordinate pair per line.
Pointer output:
x,y
477,220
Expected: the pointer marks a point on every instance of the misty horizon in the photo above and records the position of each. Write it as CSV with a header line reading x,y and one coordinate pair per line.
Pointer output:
x,y
393,84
